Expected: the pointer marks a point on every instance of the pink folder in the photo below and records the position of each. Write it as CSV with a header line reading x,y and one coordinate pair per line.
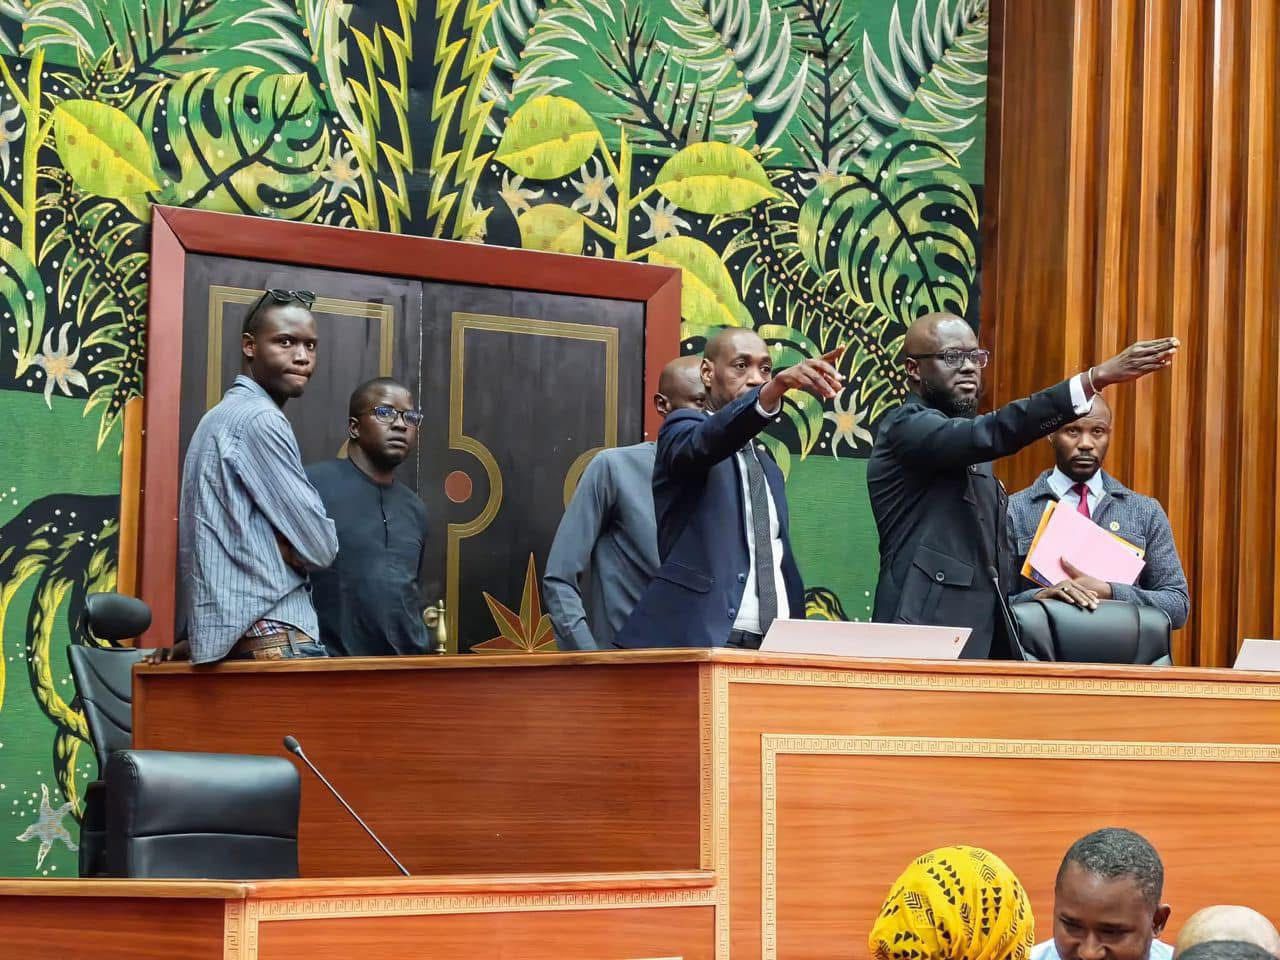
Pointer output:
x,y
1086,545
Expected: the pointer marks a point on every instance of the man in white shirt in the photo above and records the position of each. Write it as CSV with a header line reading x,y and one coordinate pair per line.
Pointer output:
x,y
1106,901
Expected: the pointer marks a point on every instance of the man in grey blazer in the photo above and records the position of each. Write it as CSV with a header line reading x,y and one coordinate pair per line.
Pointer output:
x,y
1078,482
608,537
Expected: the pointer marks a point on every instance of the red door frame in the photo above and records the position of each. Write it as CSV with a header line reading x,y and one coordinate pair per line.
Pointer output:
x,y
177,233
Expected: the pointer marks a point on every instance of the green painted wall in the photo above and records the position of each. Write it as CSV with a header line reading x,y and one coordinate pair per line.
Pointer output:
x,y
813,166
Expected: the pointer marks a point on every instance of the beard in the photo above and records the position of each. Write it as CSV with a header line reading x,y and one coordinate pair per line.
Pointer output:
x,y
949,403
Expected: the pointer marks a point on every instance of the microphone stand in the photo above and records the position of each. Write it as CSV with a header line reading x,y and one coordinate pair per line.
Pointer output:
x,y
293,746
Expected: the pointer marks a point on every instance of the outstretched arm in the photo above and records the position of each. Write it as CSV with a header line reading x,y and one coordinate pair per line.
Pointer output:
x,y
691,442
927,436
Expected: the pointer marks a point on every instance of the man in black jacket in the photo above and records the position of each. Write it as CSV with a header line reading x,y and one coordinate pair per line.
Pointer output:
x,y
939,510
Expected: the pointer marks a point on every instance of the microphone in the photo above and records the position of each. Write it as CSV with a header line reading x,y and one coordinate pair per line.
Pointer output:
x,y
293,746
1014,641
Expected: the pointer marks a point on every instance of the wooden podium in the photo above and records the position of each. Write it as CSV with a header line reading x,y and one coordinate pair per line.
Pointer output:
x,y
602,917
804,784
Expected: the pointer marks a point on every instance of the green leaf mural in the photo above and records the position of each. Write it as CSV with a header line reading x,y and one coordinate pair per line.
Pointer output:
x,y
548,137
707,296
830,135
726,40
22,292
103,149
614,59
902,242
158,39
935,81
551,227
240,141
714,178
813,168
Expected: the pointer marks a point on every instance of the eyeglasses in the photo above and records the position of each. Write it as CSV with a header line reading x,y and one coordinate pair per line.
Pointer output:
x,y
956,358
276,295
385,413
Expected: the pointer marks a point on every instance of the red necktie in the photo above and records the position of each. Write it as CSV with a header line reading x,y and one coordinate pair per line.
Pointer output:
x,y
1082,491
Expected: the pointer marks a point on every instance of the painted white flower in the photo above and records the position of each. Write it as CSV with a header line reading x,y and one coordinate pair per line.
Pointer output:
x,y
48,828
59,365
8,136
847,425
342,173
663,221
824,174
516,195
474,225
593,189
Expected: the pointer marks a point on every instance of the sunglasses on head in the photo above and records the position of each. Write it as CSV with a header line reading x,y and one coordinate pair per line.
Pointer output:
x,y
276,295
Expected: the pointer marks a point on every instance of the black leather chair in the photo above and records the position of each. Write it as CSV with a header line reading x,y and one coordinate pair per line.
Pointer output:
x,y
104,680
1114,633
214,816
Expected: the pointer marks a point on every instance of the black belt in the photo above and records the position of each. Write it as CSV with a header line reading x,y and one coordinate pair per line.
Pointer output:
x,y
745,639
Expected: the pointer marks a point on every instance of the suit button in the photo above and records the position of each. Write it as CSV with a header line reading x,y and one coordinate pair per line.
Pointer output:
x,y
939,576
732,613
742,578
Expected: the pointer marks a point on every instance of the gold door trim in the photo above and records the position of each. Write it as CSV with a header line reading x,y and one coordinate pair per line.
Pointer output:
x,y
774,745
576,470
462,323
220,295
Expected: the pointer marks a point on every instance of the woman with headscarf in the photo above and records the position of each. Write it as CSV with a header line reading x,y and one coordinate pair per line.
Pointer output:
x,y
955,903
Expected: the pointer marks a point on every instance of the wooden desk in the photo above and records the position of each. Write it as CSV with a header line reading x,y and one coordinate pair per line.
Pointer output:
x,y
806,784
549,917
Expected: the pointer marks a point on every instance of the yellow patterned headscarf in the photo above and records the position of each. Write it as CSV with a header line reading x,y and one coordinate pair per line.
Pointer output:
x,y
955,903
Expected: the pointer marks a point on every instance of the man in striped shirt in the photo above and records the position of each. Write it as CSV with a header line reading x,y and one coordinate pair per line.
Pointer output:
x,y
250,524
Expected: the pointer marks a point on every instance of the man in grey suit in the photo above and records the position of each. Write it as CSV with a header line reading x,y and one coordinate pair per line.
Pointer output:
x,y
608,535
1078,482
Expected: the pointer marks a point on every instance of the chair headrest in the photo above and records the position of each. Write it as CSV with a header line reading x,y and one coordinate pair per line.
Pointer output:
x,y
115,617
1115,632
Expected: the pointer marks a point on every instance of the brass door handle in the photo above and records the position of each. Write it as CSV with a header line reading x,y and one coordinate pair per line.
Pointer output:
x,y
437,622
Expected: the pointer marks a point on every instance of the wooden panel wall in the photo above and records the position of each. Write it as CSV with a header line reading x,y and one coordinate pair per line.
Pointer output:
x,y
1134,194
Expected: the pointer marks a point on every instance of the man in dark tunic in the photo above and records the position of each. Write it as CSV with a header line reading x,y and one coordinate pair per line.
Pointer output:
x,y
370,600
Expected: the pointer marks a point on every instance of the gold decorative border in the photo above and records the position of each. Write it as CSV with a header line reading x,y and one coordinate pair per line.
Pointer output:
x,y
706,779
720,676
1031,683
773,745
243,919
462,322
220,295
234,941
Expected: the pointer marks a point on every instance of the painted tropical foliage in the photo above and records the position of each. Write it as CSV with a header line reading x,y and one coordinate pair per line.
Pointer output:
x,y
812,166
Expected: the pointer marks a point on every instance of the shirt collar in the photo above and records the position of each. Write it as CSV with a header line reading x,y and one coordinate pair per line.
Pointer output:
x,y
252,385
1061,484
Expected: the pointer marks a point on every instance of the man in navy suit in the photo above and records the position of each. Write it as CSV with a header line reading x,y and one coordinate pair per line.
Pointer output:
x,y
727,571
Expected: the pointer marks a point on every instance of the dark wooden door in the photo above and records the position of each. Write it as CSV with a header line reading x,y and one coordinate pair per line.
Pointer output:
x,y
521,390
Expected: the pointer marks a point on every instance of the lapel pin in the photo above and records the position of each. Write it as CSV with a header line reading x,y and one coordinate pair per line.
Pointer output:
x,y
1114,526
